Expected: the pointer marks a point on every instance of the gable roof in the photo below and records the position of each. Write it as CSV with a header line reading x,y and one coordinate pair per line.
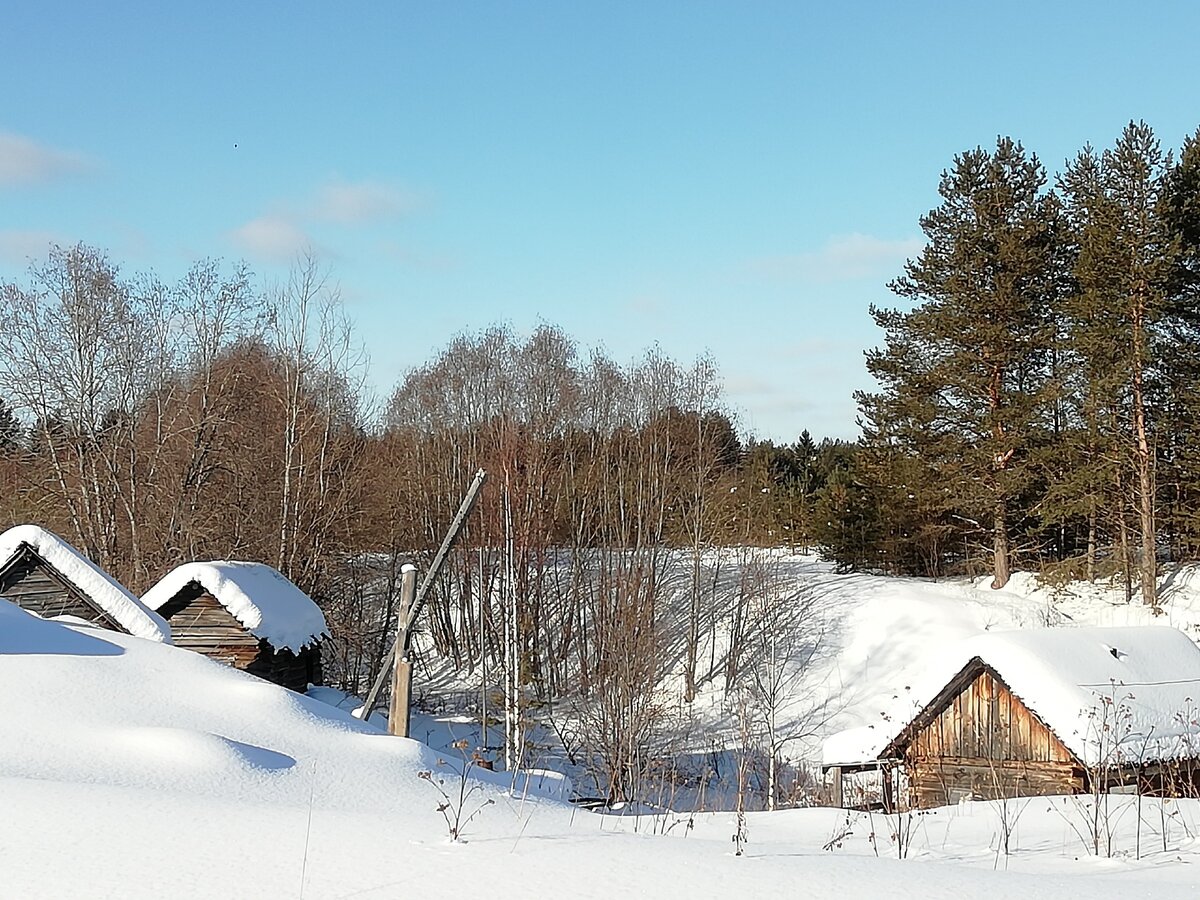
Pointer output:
x,y
263,600
1110,695
86,577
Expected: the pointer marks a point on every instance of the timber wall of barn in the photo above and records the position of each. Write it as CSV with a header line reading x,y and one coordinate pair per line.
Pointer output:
x,y
201,623
33,584
987,744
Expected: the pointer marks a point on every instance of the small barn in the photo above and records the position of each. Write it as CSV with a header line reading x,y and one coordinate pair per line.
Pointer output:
x,y
1036,712
245,614
42,573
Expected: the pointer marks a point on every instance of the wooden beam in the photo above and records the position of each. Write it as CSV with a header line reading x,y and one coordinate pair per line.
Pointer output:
x,y
397,651
401,708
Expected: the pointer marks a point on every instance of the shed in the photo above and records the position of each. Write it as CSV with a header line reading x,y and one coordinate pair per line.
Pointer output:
x,y
1040,711
42,573
245,614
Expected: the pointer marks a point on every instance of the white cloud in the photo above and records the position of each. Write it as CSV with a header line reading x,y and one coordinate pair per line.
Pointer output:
x,y
281,233
359,204
21,247
274,238
24,161
842,258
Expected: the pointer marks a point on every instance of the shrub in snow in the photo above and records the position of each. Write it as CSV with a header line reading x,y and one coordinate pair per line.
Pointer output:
x,y
459,804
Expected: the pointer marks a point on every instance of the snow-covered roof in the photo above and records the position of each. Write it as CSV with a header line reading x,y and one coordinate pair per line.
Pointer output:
x,y
88,578
263,600
1109,694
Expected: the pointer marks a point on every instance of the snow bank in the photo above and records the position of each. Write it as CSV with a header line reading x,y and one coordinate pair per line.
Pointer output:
x,y
81,704
1109,694
88,578
133,769
263,600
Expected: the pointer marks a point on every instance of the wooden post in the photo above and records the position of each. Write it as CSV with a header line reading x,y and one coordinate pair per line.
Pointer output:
x,y
398,716
414,608
835,787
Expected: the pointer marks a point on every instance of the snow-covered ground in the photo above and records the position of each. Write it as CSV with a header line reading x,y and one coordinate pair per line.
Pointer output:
x,y
875,638
129,768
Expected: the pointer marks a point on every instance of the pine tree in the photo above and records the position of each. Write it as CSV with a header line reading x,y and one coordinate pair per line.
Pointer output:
x,y
12,433
802,488
1181,369
917,531
847,523
1120,317
1084,469
964,375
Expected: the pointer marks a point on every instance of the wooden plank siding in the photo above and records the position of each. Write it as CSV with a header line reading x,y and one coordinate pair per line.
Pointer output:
x,y
200,622
33,584
979,740
940,781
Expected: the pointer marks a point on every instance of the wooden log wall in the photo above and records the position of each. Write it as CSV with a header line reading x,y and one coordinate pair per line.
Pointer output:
x,y
201,623
33,584
987,744
937,782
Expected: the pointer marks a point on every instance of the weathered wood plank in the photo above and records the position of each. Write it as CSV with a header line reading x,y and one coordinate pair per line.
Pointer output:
x,y
33,584
986,742
941,781
201,623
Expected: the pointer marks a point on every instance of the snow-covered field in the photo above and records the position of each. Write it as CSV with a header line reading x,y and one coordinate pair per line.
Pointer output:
x,y
133,769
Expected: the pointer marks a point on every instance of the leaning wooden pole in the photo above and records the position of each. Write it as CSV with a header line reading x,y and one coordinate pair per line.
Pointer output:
x,y
401,708
435,567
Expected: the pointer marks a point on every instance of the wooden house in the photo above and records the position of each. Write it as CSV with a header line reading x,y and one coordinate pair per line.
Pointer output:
x,y
245,614
42,573
1037,712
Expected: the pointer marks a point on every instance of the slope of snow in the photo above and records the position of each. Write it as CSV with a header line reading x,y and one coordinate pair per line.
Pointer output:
x,y
258,596
897,637
133,769
1110,694
857,647
129,612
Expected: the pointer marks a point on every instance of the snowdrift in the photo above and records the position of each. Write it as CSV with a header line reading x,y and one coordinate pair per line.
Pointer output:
x,y
135,769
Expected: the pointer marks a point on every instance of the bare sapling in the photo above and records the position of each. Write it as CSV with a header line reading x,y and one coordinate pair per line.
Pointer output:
x,y
1094,818
461,802
745,745
902,827
785,634
1008,810
841,832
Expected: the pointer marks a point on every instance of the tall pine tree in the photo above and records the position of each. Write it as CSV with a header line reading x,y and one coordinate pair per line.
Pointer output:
x,y
1120,318
964,375
1181,371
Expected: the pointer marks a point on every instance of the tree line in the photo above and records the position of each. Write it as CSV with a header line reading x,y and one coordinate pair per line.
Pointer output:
x,y
1037,396
154,423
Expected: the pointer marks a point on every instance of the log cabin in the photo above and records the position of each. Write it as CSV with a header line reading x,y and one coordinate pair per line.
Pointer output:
x,y
244,614
1037,712
42,573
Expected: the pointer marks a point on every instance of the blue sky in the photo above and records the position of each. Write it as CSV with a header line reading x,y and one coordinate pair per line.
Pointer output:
x,y
740,179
